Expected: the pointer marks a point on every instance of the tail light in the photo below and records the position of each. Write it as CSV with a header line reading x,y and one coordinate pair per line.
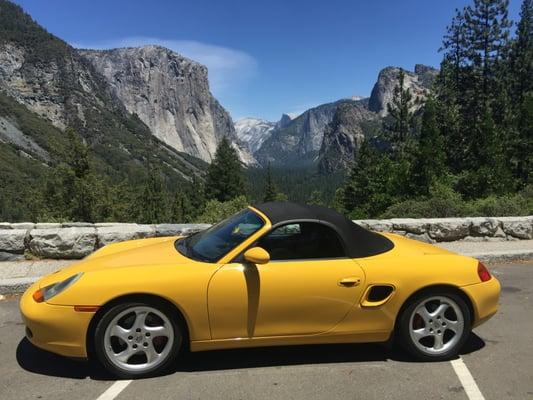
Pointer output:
x,y
483,272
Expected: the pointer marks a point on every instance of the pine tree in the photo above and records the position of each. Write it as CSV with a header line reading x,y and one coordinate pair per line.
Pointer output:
x,y
474,107
430,157
271,190
225,178
401,115
490,176
152,203
83,196
487,37
195,194
523,154
182,210
71,189
367,191
454,45
522,54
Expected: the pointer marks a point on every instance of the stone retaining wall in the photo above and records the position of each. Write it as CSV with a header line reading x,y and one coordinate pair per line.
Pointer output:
x,y
74,240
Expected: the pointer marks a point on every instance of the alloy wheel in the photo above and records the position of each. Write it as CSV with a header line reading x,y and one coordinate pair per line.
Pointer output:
x,y
138,339
436,325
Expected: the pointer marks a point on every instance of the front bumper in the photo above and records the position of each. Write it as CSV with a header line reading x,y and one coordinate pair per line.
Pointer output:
x,y
484,297
58,329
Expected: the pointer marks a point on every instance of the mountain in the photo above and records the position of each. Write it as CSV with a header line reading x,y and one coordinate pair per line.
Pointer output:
x,y
344,134
419,82
170,94
328,135
297,141
254,131
47,86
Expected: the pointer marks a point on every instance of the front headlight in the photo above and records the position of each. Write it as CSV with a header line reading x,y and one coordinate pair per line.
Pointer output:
x,y
47,292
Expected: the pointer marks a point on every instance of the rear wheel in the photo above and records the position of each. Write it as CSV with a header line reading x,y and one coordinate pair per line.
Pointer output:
x,y
435,326
135,340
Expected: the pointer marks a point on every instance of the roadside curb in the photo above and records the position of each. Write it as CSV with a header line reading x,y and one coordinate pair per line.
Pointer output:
x,y
13,286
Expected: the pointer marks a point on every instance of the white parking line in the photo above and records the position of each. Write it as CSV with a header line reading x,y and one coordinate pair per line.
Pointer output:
x,y
467,380
114,390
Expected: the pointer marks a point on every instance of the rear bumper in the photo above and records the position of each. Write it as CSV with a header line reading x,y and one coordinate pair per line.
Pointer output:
x,y
58,329
484,297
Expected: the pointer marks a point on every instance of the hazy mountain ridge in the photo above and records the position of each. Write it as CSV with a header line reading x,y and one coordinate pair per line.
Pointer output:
x,y
298,141
254,131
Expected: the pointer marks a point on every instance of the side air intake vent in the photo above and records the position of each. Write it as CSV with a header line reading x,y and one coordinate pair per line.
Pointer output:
x,y
379,293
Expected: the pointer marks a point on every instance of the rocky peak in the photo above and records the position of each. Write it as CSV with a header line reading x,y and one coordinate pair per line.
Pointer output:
x,y
418,82
343,136
285,120
170,94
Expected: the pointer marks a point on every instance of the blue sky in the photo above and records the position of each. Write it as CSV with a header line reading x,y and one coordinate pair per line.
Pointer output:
x,y
267,57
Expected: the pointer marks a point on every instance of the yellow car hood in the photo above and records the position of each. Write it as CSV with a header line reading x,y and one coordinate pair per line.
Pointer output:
x,y
142,252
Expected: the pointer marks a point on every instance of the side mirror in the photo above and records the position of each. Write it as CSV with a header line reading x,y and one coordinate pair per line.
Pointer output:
x,y
257,255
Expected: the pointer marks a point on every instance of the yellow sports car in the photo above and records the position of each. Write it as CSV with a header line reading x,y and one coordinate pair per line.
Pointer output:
x,y
274,274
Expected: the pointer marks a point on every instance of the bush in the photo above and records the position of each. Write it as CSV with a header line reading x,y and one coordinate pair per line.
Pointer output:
x,y
444,202
499,206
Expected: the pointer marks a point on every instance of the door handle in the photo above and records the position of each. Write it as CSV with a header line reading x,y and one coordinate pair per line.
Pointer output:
x,y
350,281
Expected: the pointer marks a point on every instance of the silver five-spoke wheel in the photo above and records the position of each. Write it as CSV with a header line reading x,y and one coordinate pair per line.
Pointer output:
x,y
436,325
138,339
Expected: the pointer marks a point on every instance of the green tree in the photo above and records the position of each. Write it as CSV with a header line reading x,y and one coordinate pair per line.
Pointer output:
x,y
490,174
430,157
182,210
474,104
523,149
367,191
225,179
153,201
487,34
72,190
454,45
522,54
401,116
272,192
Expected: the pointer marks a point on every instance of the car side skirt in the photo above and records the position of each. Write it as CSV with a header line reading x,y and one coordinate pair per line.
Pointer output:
x,y
330,338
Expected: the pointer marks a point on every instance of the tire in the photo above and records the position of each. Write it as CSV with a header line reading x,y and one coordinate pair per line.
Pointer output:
x,y
138,339
435,325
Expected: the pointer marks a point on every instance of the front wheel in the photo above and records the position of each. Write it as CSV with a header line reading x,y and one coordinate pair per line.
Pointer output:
x,y
134,340
435,326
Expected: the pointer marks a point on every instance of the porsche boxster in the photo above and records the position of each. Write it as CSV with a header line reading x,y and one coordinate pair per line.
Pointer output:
x,y
278,273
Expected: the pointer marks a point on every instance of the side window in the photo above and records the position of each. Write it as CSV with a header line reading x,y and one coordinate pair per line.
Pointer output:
x,y
302,240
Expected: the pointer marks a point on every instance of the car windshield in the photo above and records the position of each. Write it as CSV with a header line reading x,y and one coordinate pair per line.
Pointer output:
x,y
210,245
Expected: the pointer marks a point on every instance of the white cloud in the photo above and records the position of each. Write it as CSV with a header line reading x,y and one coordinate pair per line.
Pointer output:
x,y
228,68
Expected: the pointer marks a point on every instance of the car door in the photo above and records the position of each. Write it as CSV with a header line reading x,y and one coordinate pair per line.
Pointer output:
x,y
307,287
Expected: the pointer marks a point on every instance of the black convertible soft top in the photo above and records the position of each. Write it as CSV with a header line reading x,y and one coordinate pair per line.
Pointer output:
x,y
358,241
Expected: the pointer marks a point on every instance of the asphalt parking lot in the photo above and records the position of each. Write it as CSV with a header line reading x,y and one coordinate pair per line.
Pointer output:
x,y
499,357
